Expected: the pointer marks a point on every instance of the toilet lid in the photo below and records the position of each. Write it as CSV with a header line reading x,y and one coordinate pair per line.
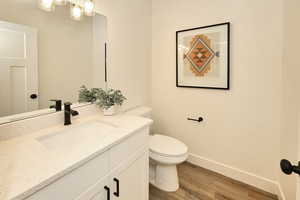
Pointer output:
x,y
167,146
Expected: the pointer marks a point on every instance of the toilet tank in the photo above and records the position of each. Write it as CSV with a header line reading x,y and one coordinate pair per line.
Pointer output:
x,y
141,111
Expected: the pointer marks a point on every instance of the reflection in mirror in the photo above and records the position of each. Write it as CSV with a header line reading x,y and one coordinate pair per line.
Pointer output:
x,y
46,56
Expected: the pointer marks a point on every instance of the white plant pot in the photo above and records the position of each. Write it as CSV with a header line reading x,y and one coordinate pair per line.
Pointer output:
x,y
110,111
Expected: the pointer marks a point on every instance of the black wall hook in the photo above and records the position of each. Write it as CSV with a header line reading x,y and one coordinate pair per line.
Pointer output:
x,y
200,119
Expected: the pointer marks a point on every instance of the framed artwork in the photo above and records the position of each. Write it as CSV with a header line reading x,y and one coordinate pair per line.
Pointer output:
x,y
203,57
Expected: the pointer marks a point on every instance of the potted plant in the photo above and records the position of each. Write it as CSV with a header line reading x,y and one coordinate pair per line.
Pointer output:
x,y
108,99
86,95
105,99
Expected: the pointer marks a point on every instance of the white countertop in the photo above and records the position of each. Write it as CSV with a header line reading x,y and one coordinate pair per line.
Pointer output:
x,y
26,165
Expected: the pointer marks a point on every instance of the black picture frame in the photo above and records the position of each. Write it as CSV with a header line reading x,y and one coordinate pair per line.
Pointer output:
x,y
228,25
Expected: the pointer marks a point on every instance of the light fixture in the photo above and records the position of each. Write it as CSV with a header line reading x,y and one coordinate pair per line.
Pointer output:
x,y
76,12
60,2
89,8
47,5
78,7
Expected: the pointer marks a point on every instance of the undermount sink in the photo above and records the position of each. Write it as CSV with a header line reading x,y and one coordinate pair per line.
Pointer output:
x,y
77,135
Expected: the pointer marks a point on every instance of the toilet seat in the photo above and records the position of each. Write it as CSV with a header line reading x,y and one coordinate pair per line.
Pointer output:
x,y
165,146
167,160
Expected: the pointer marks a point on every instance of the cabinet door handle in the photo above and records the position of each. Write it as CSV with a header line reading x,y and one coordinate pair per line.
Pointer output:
x,y
117,193
108,192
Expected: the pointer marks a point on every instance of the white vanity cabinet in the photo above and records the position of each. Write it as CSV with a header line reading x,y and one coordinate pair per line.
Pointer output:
x,y
132,180
128,183
97,191
120,173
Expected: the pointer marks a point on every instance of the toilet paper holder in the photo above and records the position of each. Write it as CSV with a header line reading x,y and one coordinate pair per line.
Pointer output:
x,y
200,119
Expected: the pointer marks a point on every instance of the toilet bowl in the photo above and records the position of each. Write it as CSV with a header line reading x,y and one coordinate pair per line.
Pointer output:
x,y
165,154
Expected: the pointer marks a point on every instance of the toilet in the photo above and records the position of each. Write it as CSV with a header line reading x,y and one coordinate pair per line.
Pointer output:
x,y
165,154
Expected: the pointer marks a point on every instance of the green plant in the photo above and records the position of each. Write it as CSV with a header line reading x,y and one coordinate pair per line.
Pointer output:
x,y
86,95
104,98
109,98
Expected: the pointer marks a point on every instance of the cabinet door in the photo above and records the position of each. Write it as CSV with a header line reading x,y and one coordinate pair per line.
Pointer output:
x,y
132,180
99,191
101,196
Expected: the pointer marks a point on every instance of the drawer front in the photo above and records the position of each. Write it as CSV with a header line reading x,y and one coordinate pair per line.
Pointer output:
x,y
70,186
121,152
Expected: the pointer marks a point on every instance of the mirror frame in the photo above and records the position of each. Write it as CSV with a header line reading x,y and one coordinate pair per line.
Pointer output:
x,y
37,113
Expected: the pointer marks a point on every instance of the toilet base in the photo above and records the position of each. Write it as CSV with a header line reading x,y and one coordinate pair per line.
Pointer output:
x,y
164,177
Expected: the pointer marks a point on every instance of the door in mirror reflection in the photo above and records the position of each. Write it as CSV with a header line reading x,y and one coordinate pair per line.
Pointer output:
x,y
18,69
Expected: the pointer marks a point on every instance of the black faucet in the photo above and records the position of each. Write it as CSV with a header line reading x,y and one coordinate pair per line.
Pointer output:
x,y
57,105
68,113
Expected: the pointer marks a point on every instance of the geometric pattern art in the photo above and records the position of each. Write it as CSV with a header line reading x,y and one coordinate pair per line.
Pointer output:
x,y
200,55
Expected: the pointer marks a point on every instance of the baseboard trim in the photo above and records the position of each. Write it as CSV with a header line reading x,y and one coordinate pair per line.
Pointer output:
x,y
280,193
239,175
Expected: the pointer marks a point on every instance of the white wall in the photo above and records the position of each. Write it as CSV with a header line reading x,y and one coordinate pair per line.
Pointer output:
x,y
241,126
129,49
291,94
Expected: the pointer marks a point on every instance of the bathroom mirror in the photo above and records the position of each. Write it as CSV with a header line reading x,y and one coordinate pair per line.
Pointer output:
x,y
46,55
